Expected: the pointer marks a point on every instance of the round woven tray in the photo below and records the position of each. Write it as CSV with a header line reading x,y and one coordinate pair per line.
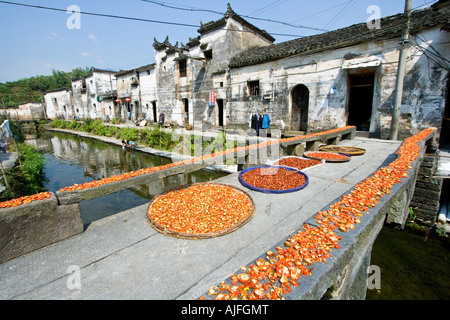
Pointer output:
x,y
197,236
347,158
353,151
245,184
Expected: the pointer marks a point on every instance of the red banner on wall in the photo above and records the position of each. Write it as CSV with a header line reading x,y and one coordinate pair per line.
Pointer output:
x,y
212,98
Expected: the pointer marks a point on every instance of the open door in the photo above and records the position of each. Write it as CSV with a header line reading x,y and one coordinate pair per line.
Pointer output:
x,y
444,139
186,111
155,117
299,111
219,112
360,100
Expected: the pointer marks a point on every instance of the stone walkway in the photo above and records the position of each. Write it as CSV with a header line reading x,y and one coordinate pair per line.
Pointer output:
x,y
123,257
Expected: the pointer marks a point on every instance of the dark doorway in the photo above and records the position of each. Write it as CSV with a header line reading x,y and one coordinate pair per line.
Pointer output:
x,y
155,118
220,111
300,104
444,139
186,110
360,100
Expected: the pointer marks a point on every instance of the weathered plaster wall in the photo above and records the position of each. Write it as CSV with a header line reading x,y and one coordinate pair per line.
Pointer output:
x,y
128,87
59,104
147,82
79,98
203,74
165,68
226,42
325,74
98,86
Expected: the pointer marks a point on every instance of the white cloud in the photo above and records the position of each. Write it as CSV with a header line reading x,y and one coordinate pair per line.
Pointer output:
x,y
93,38
54,35
86,54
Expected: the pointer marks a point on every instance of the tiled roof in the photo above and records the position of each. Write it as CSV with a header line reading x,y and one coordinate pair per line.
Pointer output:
x,y
391,27
212,25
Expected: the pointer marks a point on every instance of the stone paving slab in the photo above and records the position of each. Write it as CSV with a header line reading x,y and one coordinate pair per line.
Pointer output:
x,y
123,257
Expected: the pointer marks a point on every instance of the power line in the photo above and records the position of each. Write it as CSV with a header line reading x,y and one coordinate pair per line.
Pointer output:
x,y
131,18
259,11
315,14
102,14
193,9
341,13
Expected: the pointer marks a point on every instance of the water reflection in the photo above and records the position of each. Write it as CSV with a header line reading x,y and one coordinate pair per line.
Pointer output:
x,y
72,159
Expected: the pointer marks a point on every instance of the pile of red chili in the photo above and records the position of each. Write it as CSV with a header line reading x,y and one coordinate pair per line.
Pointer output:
x,y
327,156
25,199
200,208
298,163
273,178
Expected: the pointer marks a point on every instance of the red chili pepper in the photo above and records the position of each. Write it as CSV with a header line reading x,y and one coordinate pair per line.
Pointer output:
x,y
272,178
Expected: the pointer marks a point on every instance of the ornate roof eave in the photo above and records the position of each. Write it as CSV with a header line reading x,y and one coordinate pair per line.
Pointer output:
x,y
212,25
161,45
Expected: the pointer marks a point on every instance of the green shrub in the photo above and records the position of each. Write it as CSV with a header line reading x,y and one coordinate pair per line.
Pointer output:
x,y
73,125
58,123
27,179
111,131
129,134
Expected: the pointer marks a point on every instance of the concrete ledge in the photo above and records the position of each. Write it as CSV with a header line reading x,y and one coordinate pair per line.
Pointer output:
x,y
37,224
344,275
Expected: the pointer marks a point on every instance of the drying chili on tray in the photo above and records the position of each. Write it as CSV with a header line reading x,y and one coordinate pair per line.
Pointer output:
x,y
274,178
298,163
200,208
327,155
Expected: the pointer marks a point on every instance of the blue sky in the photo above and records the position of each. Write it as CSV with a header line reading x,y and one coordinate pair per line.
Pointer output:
x,y
35,41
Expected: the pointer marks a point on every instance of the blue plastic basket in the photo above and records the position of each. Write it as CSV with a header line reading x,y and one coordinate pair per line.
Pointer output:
x,y
245,184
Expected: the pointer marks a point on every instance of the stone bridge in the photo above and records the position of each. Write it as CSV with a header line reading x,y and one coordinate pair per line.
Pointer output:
x,y
123,257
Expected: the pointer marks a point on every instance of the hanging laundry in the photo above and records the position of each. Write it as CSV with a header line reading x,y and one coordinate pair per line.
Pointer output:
x,y
5,129
265,121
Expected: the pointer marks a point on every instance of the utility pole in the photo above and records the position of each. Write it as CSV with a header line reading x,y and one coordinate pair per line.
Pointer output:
x,y
400,72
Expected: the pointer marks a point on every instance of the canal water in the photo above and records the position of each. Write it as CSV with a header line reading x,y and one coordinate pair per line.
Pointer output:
x,y
412,266
72,159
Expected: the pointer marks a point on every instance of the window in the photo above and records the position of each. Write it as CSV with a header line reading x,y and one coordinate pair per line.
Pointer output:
x,y
208,55
253,88
182,67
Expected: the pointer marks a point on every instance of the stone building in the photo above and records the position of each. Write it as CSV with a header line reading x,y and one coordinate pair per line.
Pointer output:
x,y
100,94
58,104
128,94
148,97
186,75
24,111
233,70
136,90
79,98
347,77
92,97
